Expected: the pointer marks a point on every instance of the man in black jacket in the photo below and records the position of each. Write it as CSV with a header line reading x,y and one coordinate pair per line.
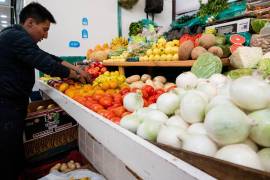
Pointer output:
x,y
19,56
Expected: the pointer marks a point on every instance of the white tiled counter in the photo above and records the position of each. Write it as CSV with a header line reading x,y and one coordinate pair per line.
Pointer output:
x,y
117,153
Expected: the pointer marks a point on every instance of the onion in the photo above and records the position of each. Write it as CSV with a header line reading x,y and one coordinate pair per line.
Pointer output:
x,y
176,120
186,80
192,107
197,128
133,101
219,100
168,103
240,154
130,122
227,125
207,88
149,130
168,135
142,113
260,133
180,92
218,80
153,106
250,93
264,156
155,115
198,143
251,144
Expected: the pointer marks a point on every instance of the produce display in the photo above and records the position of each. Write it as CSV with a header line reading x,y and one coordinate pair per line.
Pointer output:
x,y
225,116
214,116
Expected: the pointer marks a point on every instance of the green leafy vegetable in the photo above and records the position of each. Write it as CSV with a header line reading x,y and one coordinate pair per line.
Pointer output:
x,y
206,65
264,66
213,7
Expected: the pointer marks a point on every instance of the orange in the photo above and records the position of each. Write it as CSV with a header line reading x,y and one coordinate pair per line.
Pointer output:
x,y
99,91
110,91
104,85
113,84
63,87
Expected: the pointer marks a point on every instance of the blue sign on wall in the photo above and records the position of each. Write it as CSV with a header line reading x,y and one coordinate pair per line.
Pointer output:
x,y
84,34
84,21
74,44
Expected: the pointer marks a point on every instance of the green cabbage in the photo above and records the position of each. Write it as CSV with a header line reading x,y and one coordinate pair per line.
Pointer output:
x,y
264,66
206,65
237,73
258,24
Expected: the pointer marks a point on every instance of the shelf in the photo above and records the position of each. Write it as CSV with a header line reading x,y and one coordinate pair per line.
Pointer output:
x,y
145,159
187,63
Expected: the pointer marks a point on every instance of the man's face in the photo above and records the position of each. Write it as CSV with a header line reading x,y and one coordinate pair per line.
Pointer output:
x,y
38,31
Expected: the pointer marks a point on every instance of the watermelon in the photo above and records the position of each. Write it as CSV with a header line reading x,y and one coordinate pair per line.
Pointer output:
x,y
237,39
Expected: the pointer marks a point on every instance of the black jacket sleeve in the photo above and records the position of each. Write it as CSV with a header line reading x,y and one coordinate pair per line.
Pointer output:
x,y
28,52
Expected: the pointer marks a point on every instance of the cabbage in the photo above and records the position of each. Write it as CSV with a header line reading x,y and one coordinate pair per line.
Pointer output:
x,y
226,124
264,67
260,133
206,65
257,25
237,73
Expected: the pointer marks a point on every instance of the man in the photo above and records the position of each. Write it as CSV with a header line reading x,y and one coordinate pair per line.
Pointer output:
x,y
19,56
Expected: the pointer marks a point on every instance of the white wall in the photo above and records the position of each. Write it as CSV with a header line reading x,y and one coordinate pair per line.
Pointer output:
x,y
102,15
102,25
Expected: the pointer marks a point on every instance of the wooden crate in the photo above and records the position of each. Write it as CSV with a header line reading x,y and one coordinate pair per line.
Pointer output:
x,y
217,168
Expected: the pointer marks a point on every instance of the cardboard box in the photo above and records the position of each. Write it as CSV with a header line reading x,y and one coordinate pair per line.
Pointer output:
x,y
42,121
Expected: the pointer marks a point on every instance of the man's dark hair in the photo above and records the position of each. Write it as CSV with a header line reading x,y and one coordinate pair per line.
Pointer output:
x,y
36,11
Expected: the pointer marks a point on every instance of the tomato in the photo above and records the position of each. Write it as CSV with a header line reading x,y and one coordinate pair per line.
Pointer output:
x,y
125,90
96,107
97,97
102,112
149,89
117,98
118,111
109,115
105,101
103,70
185,37
96,69
159,91
116,119
145,103
135,90
152,99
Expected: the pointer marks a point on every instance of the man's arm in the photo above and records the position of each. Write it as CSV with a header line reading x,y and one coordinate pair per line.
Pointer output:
x,y
28,52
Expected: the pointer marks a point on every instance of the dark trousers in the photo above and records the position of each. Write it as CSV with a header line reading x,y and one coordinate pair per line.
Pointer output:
x,y
12,118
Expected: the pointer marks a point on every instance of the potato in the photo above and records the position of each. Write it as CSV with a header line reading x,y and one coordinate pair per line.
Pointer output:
x,y
145,77
216,51
185,49
158,85
197,51
207,40
168,85
149,82
161,79
40,108
137,84
51,106
77,165
63,167
71,165
56,167
133,78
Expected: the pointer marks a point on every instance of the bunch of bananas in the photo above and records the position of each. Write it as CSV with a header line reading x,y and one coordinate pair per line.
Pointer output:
x,y
119,42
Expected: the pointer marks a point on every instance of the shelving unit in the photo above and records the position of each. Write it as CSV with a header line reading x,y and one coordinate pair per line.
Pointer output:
x,y
145,159
186,63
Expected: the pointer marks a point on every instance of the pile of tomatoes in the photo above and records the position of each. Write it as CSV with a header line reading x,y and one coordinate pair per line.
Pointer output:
x,y
108,105
95,69
150,95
